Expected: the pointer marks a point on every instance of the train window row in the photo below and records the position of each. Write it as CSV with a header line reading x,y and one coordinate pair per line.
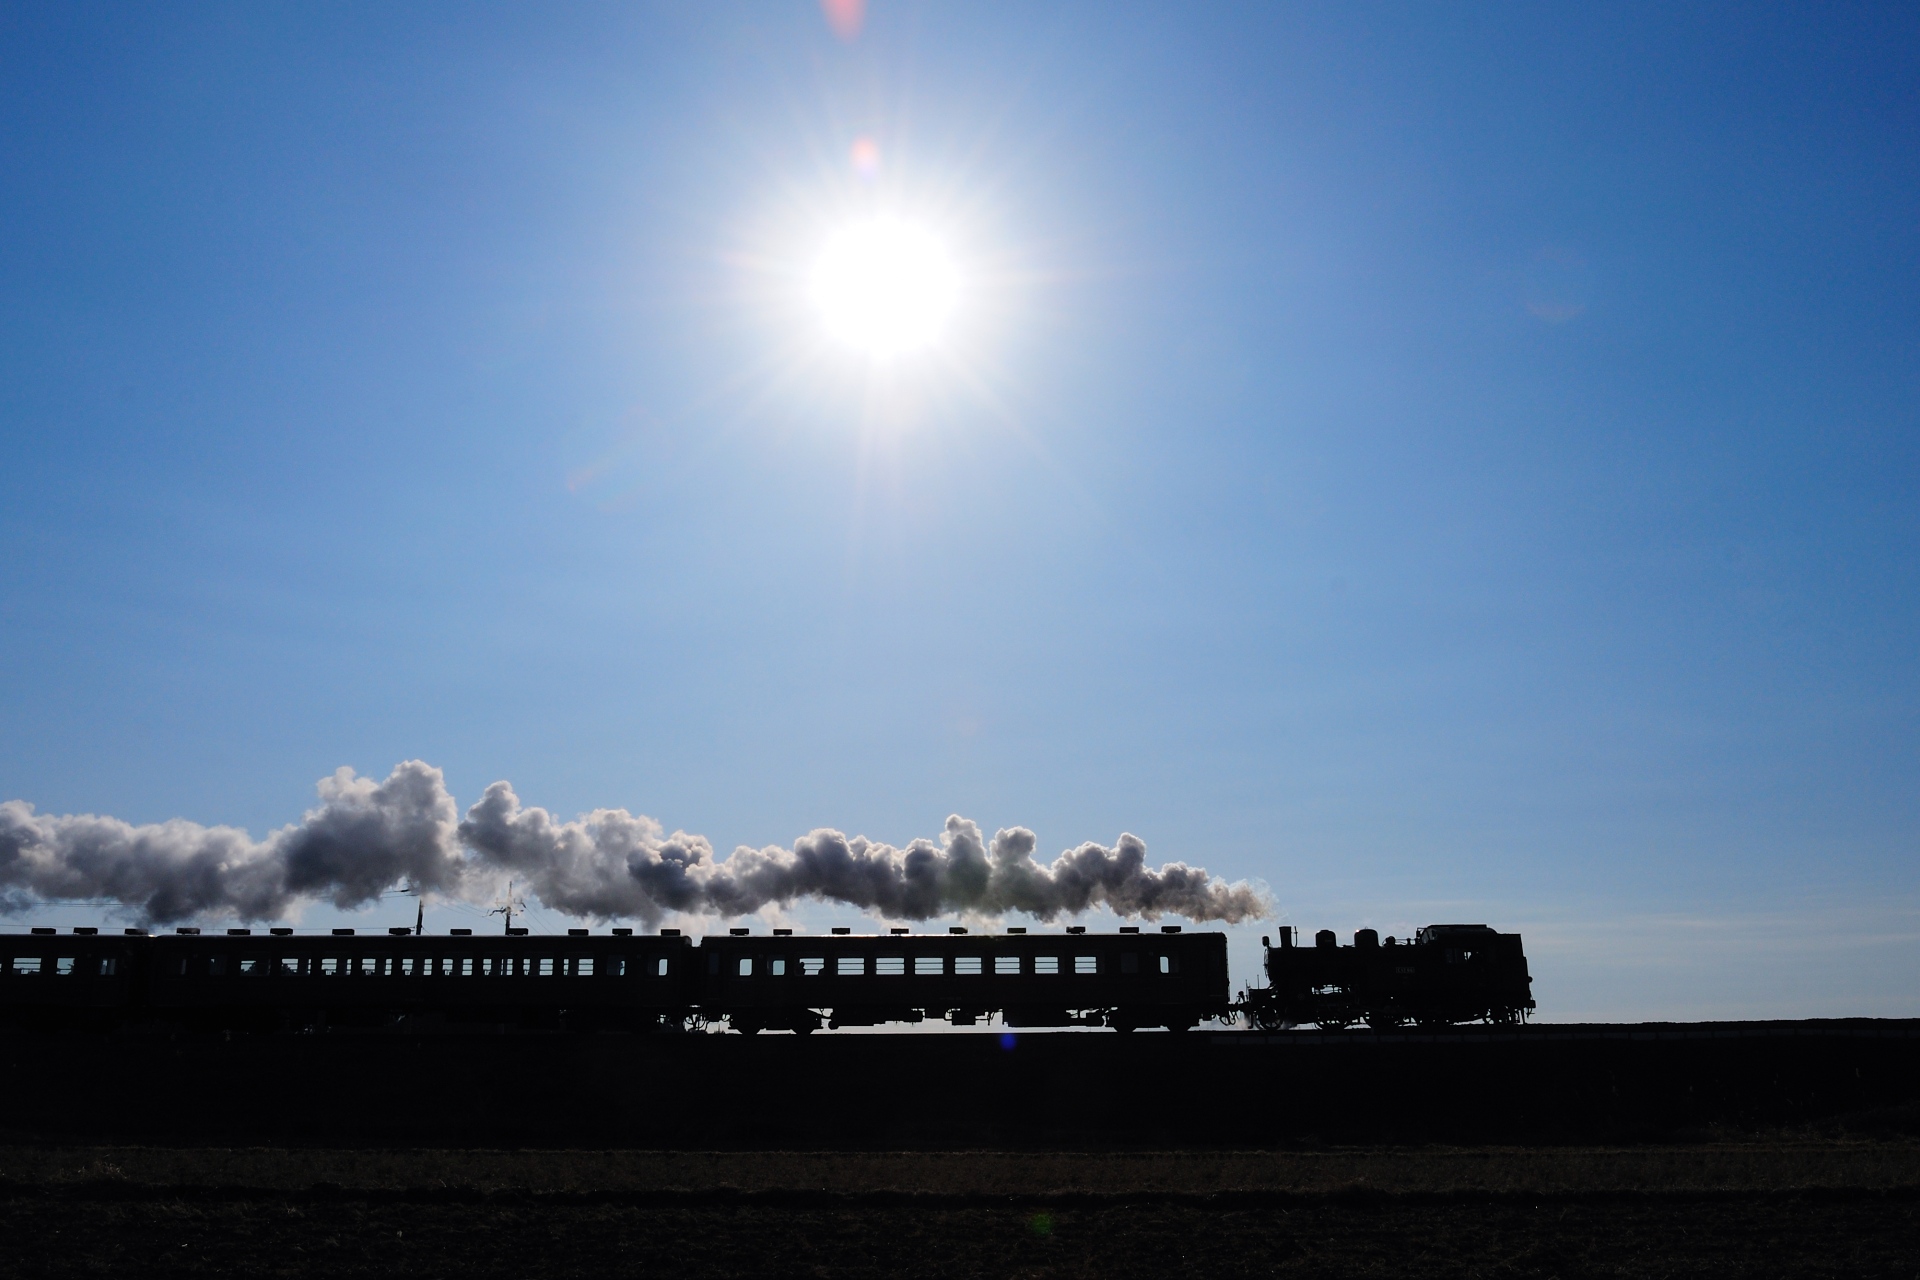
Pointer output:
x,y
931,966
572,966
420,967
60,966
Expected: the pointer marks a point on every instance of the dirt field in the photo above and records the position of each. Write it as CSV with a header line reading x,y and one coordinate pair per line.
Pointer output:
x,y
1773,1166
1758,1209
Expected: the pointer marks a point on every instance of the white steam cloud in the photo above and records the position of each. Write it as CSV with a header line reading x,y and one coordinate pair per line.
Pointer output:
x,y
366,837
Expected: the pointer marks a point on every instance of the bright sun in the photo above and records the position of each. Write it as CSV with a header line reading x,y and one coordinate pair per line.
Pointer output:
x,y
885,287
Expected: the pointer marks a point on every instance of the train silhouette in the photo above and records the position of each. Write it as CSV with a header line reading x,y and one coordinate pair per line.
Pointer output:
x,y
778,981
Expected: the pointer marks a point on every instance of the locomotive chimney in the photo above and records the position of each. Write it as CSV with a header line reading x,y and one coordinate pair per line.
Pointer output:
x,y
1286,935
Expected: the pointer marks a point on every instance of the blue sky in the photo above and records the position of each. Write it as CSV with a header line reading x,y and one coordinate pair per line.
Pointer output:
x,y
1441,462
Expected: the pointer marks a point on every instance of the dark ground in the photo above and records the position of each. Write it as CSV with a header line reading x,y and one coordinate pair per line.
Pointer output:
x,y
1057,1091
337,1235
1853,1210
1755,1150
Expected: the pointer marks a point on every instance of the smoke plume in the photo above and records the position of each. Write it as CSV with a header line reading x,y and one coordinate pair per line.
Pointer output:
x,y
363,838
366,837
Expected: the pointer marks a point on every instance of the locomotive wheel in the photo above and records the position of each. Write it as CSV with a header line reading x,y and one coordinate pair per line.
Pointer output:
x,y
1335,1024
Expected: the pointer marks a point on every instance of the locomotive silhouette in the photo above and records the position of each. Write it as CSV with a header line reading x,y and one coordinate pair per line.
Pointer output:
x,y
1445,974
778,981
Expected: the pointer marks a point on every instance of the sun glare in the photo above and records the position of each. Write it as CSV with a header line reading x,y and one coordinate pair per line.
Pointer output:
x,y
885,287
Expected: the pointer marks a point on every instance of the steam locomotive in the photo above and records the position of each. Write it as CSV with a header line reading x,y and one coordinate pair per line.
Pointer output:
x,y
746,982
1444,974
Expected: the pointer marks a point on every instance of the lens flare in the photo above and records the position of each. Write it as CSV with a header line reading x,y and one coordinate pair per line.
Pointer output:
x,y
885,287
846,17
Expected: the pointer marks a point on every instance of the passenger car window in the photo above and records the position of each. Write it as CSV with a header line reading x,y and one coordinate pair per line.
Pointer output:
x,y
812,966
777,966
661,969
583,967
289,966
929,964
890,966
1169,964
63,967
216,966
850,966
109,965
746,966
966,964
1006,964
546,966
25,965
1086,964
1046,964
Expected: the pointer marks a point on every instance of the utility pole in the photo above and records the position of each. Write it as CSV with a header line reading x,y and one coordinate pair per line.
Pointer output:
x,y
420,907
508,905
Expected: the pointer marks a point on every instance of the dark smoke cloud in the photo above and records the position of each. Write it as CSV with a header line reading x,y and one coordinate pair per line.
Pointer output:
x,y
366,837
